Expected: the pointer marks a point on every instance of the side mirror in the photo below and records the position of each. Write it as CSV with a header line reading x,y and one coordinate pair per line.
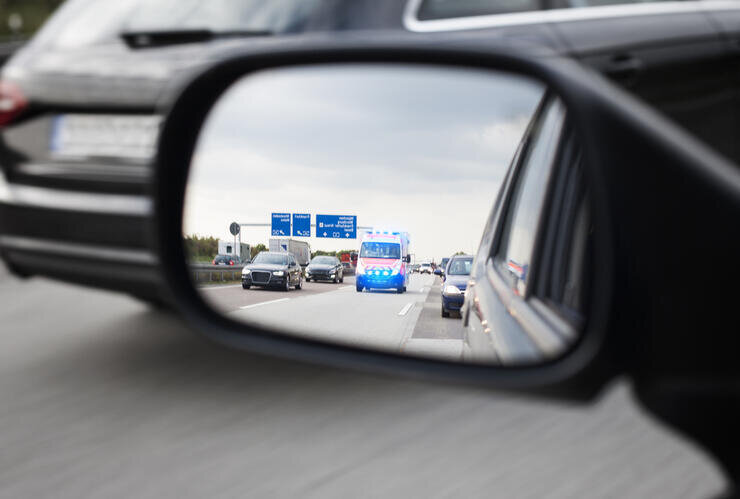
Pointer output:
x,y
437,271
407,259
580,274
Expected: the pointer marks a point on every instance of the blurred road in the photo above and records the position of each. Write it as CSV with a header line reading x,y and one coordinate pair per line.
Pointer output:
x,y
102,397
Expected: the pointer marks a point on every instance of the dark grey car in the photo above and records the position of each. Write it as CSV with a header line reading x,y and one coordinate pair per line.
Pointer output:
x,y
325,268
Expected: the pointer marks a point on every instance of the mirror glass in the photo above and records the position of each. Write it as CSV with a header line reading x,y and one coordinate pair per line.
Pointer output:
x,y
357,204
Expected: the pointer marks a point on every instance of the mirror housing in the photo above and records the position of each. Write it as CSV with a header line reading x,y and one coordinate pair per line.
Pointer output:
x,y
437,271
652,185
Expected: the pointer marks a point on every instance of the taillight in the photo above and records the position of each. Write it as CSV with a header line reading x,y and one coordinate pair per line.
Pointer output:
x,y
12,102
213,262
231,262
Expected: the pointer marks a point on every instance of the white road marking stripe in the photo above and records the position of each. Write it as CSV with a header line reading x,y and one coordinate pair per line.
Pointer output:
x,y
263,303
406,309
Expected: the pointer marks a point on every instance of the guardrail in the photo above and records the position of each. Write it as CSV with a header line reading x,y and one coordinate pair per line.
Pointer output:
x,y
205,272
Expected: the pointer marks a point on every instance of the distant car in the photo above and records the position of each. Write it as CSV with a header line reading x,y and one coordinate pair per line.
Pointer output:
x,y
225,260
455,283
348,270
274,270
325,268
425,268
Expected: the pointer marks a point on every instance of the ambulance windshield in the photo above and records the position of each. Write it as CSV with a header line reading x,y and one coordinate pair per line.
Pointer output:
x,y
380,250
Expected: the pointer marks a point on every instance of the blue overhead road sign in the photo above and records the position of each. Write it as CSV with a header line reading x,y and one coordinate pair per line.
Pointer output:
x,y
336,226
302,224
281,224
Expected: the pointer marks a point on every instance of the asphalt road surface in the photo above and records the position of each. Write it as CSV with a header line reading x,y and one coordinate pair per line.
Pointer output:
x,y
103,397
410,322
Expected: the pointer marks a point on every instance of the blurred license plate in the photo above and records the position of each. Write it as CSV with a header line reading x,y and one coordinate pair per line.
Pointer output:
x,y
99,135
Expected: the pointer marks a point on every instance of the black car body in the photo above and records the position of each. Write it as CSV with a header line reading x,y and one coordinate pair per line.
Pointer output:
x,y
85,205
347,268
273,270
325,268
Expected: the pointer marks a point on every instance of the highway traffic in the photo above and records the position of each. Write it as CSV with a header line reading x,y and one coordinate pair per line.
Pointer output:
x,y
408,323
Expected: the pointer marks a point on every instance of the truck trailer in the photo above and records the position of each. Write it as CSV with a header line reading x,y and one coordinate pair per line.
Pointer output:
x,y
299,249
242,250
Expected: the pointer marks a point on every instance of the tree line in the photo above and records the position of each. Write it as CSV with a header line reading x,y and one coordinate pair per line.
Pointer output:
x,y
331,253
21,18
205,248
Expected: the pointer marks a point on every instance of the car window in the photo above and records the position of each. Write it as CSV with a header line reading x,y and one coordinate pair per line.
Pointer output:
x,y
524,209
92,22
430,10
568,243
270,258
460,266
572,288
445,9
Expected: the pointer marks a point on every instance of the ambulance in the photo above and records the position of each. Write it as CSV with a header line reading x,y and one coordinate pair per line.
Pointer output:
x,y
383,262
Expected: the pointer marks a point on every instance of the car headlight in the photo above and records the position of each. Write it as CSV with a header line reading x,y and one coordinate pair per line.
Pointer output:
x,y
452,290
246,271
278,272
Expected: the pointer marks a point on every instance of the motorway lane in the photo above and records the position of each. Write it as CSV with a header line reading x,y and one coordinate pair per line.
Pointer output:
x,y
104,397
377,319
230,297
410,322
434,335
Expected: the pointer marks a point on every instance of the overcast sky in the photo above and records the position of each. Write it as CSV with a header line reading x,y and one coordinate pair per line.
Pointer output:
x,y
421,149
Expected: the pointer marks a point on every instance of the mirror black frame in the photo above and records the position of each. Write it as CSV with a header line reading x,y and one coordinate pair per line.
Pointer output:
x,y
599,113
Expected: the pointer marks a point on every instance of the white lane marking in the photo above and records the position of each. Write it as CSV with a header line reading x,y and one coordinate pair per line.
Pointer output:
x,y
406,308
345,287
216,286
263,303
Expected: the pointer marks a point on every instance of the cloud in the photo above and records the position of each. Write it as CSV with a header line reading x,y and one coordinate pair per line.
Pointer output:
x,y
421,149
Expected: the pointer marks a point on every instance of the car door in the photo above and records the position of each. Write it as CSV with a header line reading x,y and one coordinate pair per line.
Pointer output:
x,y
643,52
520,305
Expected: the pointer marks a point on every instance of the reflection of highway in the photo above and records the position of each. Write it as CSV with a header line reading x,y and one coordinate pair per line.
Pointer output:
x,y
408,322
